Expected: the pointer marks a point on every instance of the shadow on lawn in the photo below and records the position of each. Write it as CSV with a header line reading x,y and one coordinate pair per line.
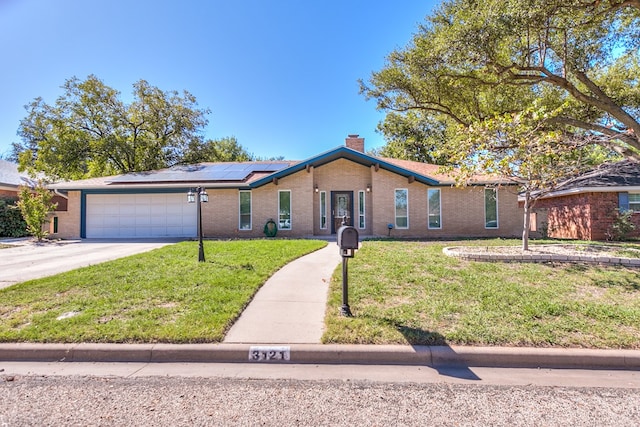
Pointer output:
x,y
417,338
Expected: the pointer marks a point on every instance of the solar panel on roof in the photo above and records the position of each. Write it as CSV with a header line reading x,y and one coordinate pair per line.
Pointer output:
x,y
194,173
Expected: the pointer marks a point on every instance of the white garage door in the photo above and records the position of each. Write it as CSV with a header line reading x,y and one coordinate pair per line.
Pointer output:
x,y
140,215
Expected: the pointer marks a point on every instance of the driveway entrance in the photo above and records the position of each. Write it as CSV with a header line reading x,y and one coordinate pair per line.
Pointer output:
x,y
28,260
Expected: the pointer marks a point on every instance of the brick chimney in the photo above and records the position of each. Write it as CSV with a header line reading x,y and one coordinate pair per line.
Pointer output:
x,y
355,143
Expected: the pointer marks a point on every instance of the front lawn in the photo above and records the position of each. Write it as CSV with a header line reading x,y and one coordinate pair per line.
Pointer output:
x,y
409,292
164,295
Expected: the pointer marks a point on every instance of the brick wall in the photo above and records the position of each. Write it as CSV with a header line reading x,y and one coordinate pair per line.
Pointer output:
x,y
462,209
69,220
342,175
8,193
584,216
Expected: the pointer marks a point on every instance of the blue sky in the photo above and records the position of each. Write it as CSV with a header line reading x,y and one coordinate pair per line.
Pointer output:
x,y
281,76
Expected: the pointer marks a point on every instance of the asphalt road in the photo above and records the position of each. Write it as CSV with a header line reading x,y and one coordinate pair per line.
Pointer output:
x,y
193,395
27,260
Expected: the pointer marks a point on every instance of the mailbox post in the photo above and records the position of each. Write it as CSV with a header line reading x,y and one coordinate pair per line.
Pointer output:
x,y
348,242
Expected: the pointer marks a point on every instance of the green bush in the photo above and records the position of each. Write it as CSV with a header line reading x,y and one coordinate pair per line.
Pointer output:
x,y
11,222
622,226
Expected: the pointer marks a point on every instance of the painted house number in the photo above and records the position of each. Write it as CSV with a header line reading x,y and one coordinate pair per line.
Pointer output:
x,y
269,354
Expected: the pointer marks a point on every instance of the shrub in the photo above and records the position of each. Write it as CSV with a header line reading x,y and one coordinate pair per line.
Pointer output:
x,y
11,222
622,226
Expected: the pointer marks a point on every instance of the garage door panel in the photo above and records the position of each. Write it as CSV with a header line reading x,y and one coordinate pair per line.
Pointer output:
x,y
139,215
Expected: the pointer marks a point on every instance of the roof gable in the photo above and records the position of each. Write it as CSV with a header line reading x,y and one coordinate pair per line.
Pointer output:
x,y
349,154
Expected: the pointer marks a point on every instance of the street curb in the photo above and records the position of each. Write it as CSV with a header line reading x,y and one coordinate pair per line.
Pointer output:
x,y
431,356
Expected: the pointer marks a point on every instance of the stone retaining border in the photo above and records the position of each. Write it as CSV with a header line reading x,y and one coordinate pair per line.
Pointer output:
x,y
459,252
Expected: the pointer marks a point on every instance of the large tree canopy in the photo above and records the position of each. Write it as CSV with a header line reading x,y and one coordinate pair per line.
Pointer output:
x,y
226,149
471,61
90,131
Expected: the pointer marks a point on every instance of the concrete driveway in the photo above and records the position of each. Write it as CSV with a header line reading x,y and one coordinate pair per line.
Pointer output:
x,y
28,260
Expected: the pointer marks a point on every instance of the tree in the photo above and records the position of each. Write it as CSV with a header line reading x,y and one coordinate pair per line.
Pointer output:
x,y
518,147
531,89
90,132
411,137
35,205
220,150
475,60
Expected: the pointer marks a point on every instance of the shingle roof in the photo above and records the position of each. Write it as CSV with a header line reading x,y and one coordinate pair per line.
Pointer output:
x,y
10,176
625,173
256,174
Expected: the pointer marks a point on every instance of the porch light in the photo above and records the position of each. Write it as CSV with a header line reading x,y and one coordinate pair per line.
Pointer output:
x,y
368,188
317,189
203,198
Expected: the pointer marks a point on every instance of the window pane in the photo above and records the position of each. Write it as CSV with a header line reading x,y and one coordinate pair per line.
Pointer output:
x,y
434,208
402,208
245,210
361,210
490,208
323,210
284,209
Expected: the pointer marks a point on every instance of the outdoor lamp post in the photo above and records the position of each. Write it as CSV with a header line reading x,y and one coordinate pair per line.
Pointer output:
x,y
203,197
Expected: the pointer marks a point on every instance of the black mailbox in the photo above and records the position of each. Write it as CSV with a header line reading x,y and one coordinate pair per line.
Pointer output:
x,y
348,240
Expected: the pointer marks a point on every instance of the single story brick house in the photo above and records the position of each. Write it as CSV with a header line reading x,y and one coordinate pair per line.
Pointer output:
x,y
586,206
379,196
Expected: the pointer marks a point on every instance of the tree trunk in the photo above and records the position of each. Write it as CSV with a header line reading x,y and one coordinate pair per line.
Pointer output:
x,y
527,222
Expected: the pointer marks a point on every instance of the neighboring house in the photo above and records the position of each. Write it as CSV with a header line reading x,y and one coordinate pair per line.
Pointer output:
x,y
11,179
380,197
585,207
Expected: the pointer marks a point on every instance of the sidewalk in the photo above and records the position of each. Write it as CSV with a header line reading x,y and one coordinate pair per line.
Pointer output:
x,y
286,319
290,306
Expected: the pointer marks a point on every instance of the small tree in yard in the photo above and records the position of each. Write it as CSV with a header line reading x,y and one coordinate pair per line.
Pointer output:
x,y
35,205
520,148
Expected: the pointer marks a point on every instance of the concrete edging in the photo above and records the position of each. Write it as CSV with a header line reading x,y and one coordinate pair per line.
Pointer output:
x,y
458,252
431,356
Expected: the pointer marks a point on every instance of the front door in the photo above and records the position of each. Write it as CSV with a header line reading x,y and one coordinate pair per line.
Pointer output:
x,y
341,209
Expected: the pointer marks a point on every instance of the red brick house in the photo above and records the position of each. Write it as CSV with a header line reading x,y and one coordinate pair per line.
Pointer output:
x,y
585,207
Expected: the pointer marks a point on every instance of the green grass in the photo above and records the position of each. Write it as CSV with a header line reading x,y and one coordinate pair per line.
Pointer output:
x,y
164,295
409,292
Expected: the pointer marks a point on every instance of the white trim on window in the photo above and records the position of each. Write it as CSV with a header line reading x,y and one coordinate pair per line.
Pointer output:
x,y
437,223
402,221
490,222
634,202
284,212
243,225
361,210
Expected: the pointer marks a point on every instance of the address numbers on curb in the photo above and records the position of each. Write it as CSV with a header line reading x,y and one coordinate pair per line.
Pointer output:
x,y
269,353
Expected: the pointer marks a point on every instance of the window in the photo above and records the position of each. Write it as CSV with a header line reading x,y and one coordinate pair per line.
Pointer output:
x,y
245,210
361,209
634,202
284,210
402,208
490,208
323,210
433,207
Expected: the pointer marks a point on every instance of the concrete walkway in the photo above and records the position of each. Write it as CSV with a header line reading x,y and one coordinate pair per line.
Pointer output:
x,y
290,306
